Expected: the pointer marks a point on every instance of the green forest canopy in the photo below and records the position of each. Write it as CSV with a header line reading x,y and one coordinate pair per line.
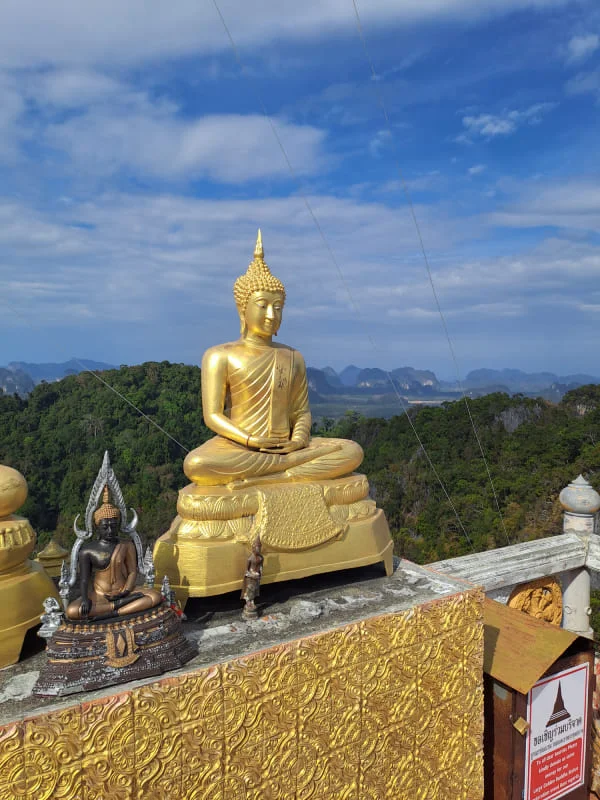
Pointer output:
x,y
57,437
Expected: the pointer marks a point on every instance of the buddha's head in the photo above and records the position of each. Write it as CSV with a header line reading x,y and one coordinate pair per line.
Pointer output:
x,y
107,518
259,297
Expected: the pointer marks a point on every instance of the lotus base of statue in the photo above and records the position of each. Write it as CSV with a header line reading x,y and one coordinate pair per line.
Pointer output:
x,y
305,528
83,656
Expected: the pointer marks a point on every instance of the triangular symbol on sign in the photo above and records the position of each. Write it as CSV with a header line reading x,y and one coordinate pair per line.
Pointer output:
x,y
559,712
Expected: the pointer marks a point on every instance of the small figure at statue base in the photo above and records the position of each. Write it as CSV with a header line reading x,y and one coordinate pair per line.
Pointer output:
x,y
51,619
171,599
252,576
117,630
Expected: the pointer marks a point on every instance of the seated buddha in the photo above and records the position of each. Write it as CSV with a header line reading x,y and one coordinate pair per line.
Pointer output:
x,y
108,571
255,398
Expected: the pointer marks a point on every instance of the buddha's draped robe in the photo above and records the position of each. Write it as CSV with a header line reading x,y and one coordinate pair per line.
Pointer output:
x,y
268,396
113,579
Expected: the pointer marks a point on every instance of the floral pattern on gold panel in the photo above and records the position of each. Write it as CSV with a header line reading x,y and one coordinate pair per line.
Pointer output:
x,y
108,744
13,783
53,753
389,707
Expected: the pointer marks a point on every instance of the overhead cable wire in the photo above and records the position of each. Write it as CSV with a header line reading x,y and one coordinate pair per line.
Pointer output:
x,y
108,386
334,260
411,207
133,405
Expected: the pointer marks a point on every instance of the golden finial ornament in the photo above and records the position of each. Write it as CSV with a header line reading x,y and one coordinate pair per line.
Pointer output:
x,y
259,253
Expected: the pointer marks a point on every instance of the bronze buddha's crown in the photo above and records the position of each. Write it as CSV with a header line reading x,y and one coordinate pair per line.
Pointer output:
x,y
257,278
106,510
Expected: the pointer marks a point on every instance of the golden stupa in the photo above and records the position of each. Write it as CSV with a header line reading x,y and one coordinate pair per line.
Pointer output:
x,y
52,557
24,584
262,474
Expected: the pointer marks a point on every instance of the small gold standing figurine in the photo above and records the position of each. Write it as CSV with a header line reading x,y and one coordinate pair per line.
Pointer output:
x,y
251,585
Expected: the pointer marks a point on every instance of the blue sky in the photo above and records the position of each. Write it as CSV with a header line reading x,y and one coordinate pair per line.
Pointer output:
x,y
136,165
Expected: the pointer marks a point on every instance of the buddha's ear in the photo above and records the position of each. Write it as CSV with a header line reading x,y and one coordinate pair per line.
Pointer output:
x,y
243,326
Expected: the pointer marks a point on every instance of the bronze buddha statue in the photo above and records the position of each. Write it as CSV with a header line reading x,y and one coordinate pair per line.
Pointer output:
x,y
255,398
110,566
116,631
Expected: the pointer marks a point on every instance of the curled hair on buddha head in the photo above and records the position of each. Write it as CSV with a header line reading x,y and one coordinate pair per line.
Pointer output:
x,y
107,510
257,278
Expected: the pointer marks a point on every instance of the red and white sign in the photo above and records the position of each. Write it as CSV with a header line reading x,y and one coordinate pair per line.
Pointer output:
x,y
556,742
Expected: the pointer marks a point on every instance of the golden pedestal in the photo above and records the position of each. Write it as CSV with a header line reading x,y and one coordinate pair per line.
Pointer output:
x,y
305,529
24,585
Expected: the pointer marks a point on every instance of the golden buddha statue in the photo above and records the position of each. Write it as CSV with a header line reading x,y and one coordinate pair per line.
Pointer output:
x,y
255,398
110,565
262,474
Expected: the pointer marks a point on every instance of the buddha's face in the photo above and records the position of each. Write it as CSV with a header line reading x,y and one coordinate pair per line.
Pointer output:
x,y
108,529
263,313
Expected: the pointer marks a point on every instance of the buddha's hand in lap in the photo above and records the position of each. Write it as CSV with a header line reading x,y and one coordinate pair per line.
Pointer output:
x,y
264,443
117,596
315,451
284,448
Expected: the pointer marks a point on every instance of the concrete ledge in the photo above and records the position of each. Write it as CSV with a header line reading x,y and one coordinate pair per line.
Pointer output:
x,y
592,560
519,563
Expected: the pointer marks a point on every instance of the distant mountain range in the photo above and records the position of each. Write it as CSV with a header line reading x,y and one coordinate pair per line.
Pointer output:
x,y
15,382
20,376
363,384
423,384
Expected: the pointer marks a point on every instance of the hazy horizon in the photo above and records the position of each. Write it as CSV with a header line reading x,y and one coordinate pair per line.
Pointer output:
x,y
446,378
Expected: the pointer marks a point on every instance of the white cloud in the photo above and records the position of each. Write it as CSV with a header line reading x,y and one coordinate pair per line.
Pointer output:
x,y
71,88
581,47
569,204
115,32
168,263
126,130
490,125
502,309
148,253
556,274
379,142
90,124
12,107
585,83
477,169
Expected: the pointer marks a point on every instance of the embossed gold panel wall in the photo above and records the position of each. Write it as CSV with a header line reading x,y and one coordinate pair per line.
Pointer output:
x,y
390,707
